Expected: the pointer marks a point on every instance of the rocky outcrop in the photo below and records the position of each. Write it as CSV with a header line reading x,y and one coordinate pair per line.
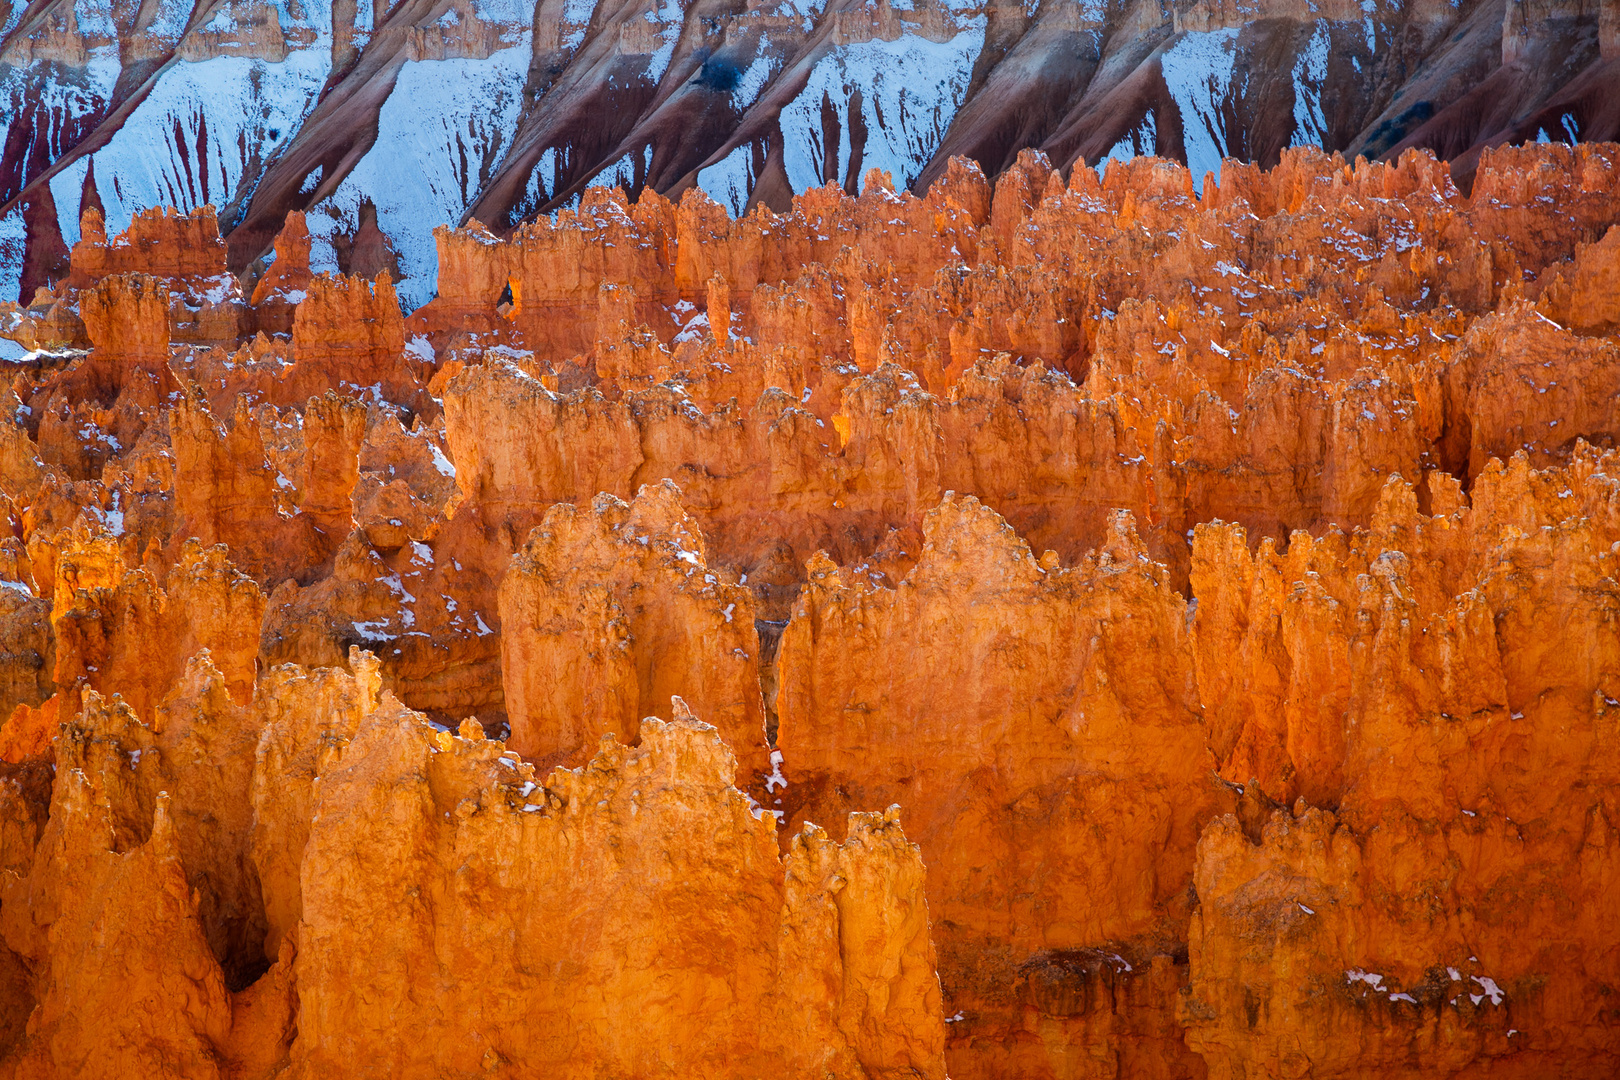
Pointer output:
x,y
1060,837
117,631
1397,689
348,329
126,318
196,854
581,981
1218,583
226,491
144,847
286,282
322,111
622,596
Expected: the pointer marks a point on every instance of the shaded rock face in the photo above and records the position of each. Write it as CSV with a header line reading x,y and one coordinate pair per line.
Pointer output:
x,y
1217,585
190,841
1428,709
262,110
1087,775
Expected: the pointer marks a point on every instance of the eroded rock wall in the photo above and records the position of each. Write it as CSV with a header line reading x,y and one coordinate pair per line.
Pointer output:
x,y
265,111
1217,586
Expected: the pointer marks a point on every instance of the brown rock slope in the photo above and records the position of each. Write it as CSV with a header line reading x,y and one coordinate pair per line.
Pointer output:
x,y
1219,588
381,120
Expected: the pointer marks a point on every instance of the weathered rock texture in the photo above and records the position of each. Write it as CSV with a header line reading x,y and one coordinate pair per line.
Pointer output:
x,y
1087,774
1218,585
644,876
381,121
622,596
1444,747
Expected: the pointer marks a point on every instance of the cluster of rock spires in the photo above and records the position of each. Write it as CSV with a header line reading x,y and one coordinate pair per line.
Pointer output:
x,y
384,118
1218,588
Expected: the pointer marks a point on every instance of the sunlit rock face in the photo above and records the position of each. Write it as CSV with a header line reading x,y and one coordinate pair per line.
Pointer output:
x,y
1086,624
382,120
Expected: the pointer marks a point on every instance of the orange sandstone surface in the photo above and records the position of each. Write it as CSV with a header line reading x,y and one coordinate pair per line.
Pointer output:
x,y
1070,628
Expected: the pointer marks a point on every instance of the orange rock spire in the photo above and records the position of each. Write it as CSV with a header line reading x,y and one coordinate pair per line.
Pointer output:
x,y
1071,627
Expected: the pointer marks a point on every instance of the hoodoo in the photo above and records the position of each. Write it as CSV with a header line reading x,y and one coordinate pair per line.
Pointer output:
x,y
378,121
1081,624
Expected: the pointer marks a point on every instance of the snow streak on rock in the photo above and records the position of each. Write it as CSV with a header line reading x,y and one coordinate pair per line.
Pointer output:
x,y
1198,73
12,250
668,19
43,107
754,78
577,18
729,180
1140,140
629,172
439,137
205,131
907,90
1310,74
544,180
65,190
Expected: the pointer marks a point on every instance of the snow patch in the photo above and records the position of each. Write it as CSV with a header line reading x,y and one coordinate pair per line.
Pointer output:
x,y
445,466
1310,75
204,133
1491,990
1140,141
625,172
13,246
508,12
421,348
752,80
362,25
95,19
910,89
808,11
577,14
440,135
42,110
671,18
373,630
730,180
67,191
1198,73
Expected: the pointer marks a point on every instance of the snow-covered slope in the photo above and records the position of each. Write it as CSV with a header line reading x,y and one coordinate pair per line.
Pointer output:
x,y
384,119
439,135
